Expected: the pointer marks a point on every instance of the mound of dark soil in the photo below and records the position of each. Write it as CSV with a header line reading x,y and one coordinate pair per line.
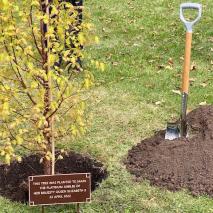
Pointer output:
x,y
14,178
181,163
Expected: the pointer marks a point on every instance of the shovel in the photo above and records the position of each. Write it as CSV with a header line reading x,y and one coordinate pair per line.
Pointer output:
x,y
179,129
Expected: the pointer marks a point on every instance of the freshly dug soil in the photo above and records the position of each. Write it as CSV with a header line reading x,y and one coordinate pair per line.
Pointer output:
x,y
14,178
181,163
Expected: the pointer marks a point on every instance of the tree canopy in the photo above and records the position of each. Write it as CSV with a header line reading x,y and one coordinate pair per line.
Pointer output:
x,y
41,76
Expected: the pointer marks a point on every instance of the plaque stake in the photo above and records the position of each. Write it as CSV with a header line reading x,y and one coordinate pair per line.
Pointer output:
x,y
77,208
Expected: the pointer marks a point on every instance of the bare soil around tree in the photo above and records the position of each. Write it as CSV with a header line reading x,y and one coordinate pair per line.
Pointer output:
x,y
14,178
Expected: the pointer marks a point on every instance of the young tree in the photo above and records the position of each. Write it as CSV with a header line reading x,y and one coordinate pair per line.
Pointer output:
x,y
41,99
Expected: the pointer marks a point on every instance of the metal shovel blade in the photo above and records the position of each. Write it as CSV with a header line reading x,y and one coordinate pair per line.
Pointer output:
x,y
172,131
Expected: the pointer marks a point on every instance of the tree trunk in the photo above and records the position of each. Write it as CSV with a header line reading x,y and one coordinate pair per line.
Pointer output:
x,y
48,127
47,167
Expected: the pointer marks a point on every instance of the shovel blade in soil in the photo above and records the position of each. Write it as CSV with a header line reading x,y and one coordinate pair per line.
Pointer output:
x,y
172,131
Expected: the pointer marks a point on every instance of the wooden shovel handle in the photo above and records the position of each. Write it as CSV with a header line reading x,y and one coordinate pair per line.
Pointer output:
x,y
187,59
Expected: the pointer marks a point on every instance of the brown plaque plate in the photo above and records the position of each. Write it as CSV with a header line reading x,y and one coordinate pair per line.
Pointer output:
x,y
59,189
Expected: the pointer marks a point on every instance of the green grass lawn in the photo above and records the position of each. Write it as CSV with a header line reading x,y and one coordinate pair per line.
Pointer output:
x,y
142,43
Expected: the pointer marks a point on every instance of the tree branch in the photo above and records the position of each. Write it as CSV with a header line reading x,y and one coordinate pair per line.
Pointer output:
x,y
33,34
20,76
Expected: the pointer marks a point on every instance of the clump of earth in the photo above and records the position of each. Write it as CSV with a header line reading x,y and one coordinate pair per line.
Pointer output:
x,y
183,163
14,177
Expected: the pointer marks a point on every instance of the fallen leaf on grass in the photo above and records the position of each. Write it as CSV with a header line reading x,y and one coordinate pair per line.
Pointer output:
x,y
132,21
151,85
109,56
170,62
115,63
192,79
178,75
193,66
136,45
211,39
203,103
158,103
200,48
203,84
169,68
177,92
151,61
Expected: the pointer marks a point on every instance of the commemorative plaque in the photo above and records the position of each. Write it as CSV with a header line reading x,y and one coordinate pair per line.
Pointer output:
x,y
59,189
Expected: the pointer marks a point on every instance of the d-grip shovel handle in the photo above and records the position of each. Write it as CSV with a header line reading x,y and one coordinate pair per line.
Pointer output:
x,y
189,24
